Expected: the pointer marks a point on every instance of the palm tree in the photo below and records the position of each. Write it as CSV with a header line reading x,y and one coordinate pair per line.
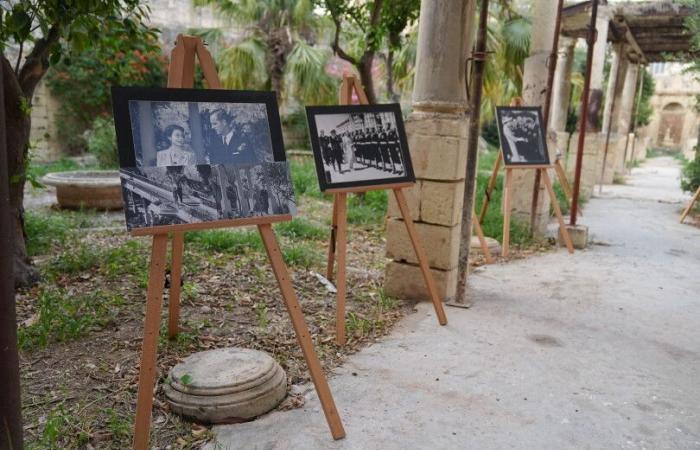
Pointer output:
x,y
277,50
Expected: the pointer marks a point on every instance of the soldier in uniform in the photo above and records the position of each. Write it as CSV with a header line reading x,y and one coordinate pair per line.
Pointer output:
x,y
374,152
324,141
394,150
336,145
384,148
362,146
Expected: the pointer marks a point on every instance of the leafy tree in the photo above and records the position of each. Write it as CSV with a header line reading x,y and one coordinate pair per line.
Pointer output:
x,y
642,104
82,82
366,27
278,50
33,30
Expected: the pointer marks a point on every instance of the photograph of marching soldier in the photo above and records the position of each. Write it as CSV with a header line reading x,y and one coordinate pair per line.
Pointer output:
x,y
359,145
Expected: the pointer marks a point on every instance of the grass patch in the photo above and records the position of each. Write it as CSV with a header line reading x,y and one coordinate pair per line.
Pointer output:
x,y
81,259
38,170
304,178
47,230
493,221
301,254
61,315
369,209
300,228
235,241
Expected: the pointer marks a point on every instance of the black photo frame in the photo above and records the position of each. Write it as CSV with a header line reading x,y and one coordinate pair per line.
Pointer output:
x,y
123,96
522,136
200,155
369,146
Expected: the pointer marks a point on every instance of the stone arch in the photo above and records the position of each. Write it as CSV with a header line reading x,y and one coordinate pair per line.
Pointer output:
x,y
671,125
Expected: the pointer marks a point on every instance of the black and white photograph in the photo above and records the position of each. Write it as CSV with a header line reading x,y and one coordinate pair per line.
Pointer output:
x,y
159,127
522,135
359,145
173,195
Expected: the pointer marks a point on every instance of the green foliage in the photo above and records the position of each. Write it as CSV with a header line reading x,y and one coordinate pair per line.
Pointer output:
x,y
300,228
45,230
62,315
261,311
234,241
367,209
102,143
690,179
642,104
301,254
304,178
123,53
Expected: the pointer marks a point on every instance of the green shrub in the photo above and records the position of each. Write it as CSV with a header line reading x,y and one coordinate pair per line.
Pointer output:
x,y
102,143
300,228
237,241
304,178
690,179
367,209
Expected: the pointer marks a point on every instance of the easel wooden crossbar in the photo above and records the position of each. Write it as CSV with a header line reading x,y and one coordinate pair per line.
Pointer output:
x,y
337,247
181,75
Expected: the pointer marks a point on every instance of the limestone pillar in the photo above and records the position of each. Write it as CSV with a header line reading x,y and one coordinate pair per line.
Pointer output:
x,y
437,134
629,88
561,91
612,86
596,91
535,94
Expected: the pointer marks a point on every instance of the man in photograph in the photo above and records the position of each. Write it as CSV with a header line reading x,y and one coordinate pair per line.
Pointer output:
x,y
325,142
336,151
226,147
394,151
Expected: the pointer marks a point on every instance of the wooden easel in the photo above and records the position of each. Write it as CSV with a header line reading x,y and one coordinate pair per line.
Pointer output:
x,y
339,226
508,194
181,74
686,211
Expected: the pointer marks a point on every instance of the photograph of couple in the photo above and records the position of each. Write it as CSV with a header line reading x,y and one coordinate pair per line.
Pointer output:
x,y
521,135
171,133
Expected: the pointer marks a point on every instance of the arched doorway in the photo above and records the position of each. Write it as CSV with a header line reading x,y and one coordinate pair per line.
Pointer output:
x,y
671,126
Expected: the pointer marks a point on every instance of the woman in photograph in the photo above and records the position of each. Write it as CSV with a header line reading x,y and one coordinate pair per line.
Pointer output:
x,y
348,150
177,154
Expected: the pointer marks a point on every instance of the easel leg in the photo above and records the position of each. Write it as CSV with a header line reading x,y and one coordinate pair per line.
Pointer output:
x,y
557,211
151,329
420,254
482,239
507,192
686,211
302,332
564,182
332,242
341,241
489,189
175,288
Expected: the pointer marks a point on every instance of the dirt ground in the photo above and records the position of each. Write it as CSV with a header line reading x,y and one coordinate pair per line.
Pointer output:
x,y
596,350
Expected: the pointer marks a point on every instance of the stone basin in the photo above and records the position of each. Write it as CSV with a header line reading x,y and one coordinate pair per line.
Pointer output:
x,y
99,189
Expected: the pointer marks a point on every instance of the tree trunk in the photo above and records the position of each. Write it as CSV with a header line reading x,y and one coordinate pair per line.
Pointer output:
x,y
365,69
18,125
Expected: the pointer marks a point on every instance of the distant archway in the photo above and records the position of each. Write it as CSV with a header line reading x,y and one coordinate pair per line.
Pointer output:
x,y
671,126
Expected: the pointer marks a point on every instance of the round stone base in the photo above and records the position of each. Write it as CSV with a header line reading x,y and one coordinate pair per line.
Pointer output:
x,y
225,384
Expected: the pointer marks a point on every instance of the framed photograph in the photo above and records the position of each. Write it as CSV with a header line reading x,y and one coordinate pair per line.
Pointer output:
x,y
522,135
190,155
359,145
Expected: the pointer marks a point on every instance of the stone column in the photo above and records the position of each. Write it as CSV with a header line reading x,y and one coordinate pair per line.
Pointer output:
x,y
627,97
437,135
561,91
612,86
596,94
535,94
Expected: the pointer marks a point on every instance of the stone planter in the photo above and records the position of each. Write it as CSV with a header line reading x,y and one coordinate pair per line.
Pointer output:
x,y
98,189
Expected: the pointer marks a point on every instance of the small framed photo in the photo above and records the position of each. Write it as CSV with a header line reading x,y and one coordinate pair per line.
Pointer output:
x,y
200,155
359,145
522,136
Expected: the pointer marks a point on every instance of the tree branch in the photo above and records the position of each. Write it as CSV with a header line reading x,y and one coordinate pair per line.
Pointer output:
x,y
336,42
37,62
19,56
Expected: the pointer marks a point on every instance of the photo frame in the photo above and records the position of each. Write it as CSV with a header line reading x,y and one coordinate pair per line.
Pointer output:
x,y
522,136
359,145
191,156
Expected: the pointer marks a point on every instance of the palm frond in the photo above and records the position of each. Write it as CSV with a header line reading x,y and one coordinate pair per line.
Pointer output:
x,y
242,66
306,75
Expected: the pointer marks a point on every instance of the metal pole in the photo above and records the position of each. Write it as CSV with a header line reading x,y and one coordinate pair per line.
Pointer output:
x,y
478,61
636,114
551,68
584,112
10,400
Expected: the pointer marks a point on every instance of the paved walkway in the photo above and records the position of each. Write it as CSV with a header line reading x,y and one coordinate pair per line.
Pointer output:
x,y
598,350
